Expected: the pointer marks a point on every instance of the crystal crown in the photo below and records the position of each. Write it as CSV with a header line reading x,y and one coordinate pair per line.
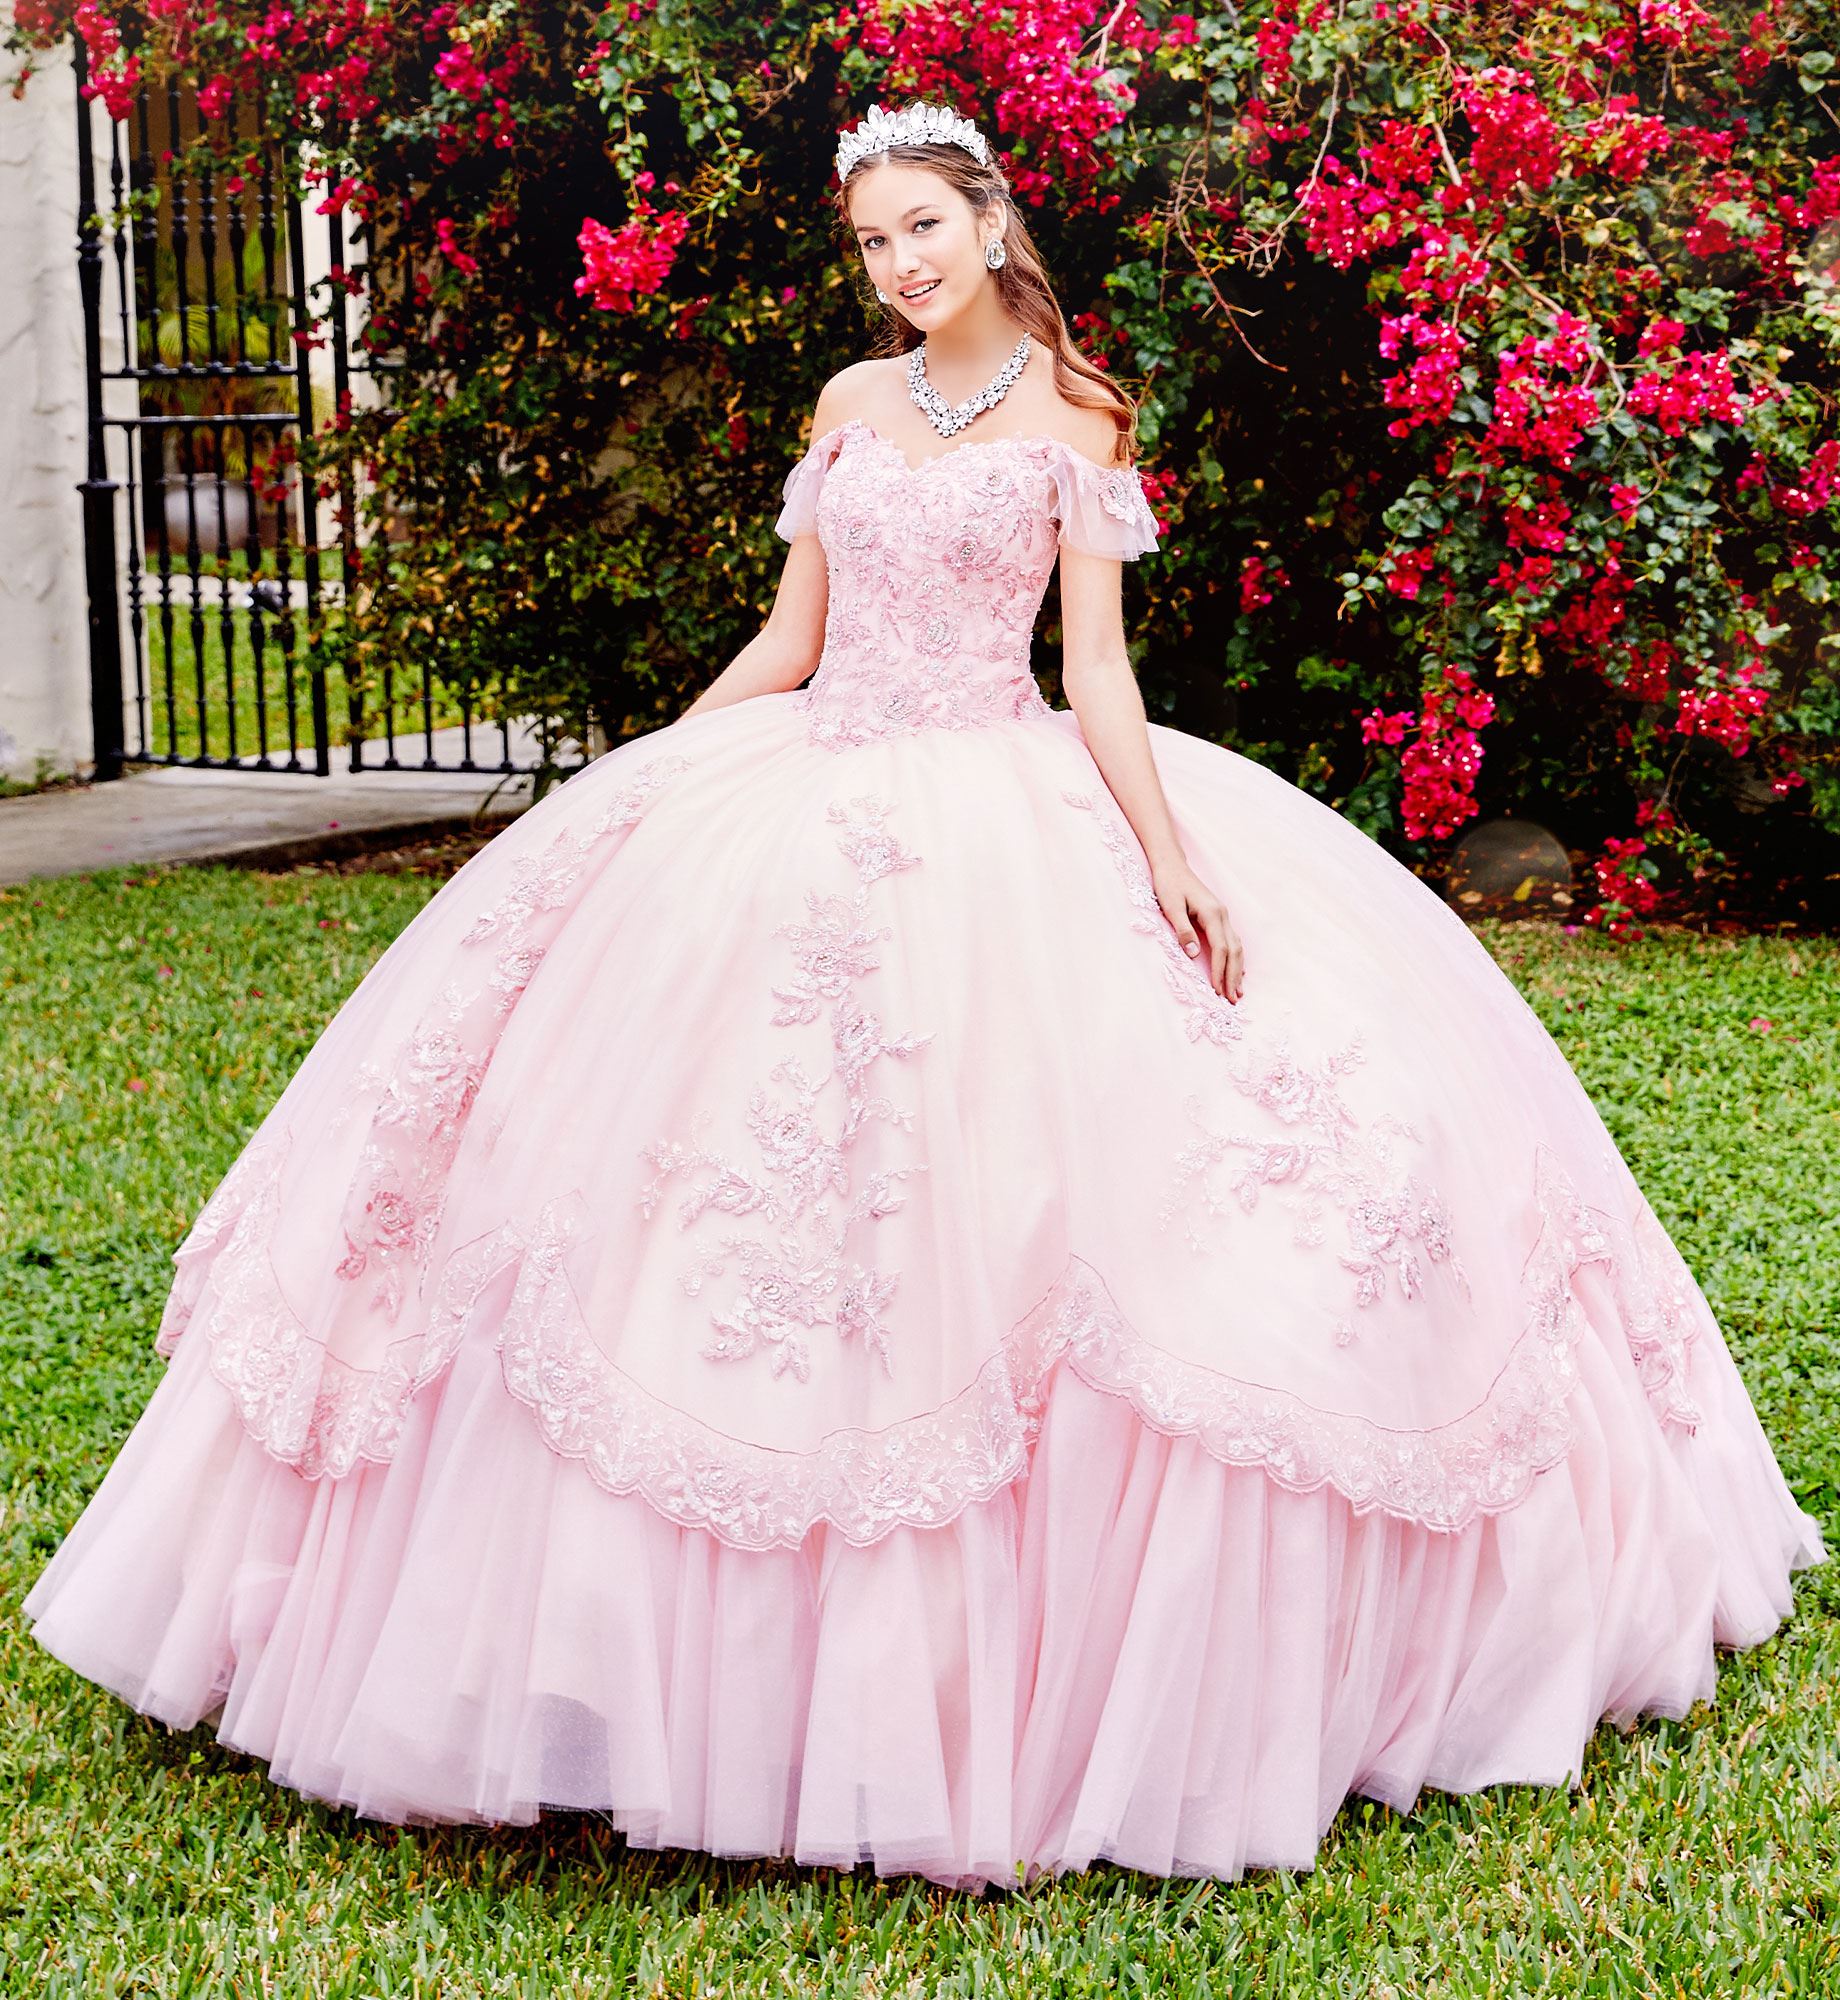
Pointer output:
x,y
916,125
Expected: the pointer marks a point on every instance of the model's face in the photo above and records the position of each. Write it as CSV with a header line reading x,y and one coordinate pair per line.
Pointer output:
x,y
920,241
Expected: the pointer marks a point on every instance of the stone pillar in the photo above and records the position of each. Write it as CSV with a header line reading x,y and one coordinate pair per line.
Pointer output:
x,y
44,659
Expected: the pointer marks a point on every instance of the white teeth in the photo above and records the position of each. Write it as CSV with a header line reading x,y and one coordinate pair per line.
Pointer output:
x,y
921,291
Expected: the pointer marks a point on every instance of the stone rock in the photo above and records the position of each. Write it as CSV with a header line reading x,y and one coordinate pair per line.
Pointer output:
x,y
1509,867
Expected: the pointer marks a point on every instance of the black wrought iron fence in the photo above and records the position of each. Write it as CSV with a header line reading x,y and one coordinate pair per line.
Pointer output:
x,y
219,335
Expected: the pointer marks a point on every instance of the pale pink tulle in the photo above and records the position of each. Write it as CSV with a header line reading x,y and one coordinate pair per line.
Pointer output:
x,y
1134,1653
1402,1449
1100,510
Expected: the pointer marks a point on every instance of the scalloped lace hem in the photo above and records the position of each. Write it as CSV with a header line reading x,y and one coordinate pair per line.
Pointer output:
x,y
323,1417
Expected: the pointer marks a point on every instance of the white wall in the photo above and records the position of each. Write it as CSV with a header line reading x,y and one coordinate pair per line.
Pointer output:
x,y
44,659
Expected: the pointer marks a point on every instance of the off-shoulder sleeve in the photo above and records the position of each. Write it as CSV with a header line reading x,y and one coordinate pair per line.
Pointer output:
x,y
1101,508
799,516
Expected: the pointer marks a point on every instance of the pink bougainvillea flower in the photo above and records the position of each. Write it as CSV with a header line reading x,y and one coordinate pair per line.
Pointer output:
x,y
448,244
1624,500
1660,333
1057,109
1258,580
1379,727
618,265
1697,388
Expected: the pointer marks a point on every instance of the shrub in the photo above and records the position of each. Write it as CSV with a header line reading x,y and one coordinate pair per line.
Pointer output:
x,y
1488,358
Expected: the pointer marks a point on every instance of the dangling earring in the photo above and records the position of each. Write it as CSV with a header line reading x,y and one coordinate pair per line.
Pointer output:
x,y
994,253
882,295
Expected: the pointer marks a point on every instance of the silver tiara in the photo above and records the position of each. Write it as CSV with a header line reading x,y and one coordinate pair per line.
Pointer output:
x,y
917,125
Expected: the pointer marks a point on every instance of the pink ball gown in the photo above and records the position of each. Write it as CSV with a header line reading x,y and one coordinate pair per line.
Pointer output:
x,y
785,1309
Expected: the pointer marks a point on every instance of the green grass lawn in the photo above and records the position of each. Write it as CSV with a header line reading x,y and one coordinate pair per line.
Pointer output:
x,y
146,1020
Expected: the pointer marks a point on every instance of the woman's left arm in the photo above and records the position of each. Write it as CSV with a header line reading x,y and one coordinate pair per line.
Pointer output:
x,y
1103,693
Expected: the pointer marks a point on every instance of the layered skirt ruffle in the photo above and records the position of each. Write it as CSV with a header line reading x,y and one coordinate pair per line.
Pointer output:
x,y
1373,1457
1133,1652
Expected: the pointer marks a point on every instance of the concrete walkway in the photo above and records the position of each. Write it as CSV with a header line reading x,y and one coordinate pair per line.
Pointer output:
x,y
276,818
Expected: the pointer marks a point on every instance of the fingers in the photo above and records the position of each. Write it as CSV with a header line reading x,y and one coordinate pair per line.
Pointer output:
x,y
1179,923
1215,937
1212,922
1227,957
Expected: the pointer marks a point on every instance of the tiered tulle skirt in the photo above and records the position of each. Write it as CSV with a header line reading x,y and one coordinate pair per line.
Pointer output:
x,y
1158,1640
1134,1653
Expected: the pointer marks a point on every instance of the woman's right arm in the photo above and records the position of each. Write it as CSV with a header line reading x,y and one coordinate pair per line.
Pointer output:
x,y
786,648
784,651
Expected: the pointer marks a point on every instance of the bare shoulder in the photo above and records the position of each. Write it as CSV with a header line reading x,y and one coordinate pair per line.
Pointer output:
x,y
1089,430
859,390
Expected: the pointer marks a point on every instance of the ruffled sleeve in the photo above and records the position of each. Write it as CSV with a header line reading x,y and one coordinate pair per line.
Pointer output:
x,y
1101,508
799,516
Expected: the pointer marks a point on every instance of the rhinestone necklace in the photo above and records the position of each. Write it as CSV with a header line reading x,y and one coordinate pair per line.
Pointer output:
x,y
946,418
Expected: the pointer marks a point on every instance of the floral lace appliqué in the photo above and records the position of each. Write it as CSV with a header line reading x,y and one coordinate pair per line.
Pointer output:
x,y
1394,1225
301,1404
393,1209
1119,493
1442,1477
925,1471
936,573
320,1417
920,1473
801,1277
1655,1295
305,1405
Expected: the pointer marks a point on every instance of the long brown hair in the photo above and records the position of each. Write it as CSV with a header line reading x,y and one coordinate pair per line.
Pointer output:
x,y
1022,285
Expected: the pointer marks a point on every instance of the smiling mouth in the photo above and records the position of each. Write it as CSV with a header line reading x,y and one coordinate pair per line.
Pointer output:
x,y
921,291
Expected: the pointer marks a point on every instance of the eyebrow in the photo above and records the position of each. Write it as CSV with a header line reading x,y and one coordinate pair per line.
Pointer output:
x,y
915,210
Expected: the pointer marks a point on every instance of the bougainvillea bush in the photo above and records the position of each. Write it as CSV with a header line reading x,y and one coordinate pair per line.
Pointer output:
x,y
1489,355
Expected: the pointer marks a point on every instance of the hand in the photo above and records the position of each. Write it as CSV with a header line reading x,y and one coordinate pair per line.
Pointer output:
x,y
1190,904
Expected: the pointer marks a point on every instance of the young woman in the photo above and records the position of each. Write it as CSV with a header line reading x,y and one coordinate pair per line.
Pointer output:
x,y
816,1302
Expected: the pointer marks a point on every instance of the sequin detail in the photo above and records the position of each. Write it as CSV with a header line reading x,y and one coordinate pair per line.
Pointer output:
x,y
1394,1225
936,573
801,1276
394,1207
310,1412
293,1394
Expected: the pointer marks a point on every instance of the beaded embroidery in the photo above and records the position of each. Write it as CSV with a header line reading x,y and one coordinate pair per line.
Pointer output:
x,y
936,573
801,1278
1394,1226
300,1401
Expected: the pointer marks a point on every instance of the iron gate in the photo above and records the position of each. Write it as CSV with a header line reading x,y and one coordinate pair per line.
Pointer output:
x,y
218,336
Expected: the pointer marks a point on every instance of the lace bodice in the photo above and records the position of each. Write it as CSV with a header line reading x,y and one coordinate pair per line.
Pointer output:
x,y
937,571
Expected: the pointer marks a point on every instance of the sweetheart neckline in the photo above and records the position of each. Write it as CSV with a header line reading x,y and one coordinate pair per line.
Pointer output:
x,y
970,444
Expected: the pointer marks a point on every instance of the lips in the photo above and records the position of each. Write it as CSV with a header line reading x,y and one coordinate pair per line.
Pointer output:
x,y
921,291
